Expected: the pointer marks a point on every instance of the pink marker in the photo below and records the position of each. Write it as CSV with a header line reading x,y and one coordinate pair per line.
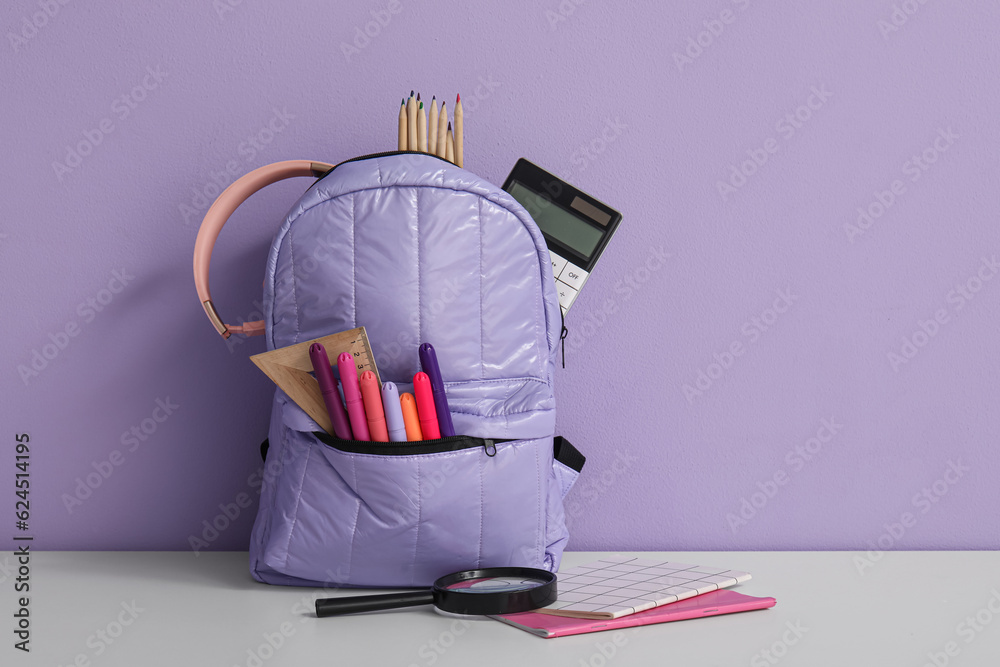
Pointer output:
x,y
352,396
425,406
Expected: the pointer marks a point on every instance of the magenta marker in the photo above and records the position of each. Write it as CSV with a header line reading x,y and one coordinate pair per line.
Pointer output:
x,y
328,385
352,396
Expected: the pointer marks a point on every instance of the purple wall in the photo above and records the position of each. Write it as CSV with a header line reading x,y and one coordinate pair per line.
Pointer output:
x,y
754,364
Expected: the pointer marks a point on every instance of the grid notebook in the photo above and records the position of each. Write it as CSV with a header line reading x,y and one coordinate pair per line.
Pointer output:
x,y
617,586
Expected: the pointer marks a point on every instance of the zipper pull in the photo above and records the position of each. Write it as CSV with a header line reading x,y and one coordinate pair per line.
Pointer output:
x,y
562,335
490,447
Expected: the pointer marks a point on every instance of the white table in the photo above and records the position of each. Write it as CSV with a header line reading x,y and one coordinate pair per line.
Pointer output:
x,y
174,608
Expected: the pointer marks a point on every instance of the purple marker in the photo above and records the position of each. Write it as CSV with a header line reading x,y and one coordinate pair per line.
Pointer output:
x,y
328,385
352,396
429,364
393,412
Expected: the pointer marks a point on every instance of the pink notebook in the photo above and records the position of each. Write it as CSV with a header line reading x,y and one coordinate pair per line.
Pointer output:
x,y
709,604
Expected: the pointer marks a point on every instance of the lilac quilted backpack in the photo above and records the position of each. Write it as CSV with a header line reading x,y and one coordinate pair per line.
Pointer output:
x,y
415,250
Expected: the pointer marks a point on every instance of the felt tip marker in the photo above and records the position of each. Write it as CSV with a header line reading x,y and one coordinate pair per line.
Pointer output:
x,y
393,413
429,362
408,406
425,406
352,396
328,386
371,394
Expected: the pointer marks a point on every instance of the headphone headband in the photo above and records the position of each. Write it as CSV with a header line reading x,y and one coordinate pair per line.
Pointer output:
x,y
218,213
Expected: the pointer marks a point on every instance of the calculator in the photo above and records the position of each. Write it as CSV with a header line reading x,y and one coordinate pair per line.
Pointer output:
x,y
576,226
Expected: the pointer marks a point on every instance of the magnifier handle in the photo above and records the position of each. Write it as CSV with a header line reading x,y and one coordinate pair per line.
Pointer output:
x,y
354,605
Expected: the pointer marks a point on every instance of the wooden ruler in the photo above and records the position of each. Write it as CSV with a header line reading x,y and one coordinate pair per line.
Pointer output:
x,y
290,368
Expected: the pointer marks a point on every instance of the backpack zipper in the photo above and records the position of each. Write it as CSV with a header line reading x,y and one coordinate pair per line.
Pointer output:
x,y
382,154
452,443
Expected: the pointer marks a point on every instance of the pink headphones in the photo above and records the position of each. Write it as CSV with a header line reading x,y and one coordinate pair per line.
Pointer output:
x,y
219,213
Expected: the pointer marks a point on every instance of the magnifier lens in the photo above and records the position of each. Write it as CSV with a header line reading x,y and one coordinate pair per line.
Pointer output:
x,y
496,585
503,590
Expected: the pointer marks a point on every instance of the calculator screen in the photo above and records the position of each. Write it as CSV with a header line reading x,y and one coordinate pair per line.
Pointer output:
x,y
557,222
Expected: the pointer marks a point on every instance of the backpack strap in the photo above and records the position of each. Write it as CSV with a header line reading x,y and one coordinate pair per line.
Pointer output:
x,y
218,214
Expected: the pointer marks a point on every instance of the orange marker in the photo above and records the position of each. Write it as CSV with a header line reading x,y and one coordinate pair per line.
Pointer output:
x,y
410,418
425,406
371,393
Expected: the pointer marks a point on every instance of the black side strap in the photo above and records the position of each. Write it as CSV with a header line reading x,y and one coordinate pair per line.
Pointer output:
x,y
567,454
263,449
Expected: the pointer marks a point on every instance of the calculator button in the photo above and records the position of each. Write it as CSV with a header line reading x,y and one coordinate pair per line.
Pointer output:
x,y
567,295
573,276
557,263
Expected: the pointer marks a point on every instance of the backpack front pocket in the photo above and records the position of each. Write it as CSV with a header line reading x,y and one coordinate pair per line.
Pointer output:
x,y
403,514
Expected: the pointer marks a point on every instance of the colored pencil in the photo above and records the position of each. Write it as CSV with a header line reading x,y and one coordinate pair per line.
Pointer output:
x,y
450,147
459,138
402,144
442,131
411,118
432,134
421,129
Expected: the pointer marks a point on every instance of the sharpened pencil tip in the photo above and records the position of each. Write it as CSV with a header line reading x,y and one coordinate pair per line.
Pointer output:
x,y
411,93
449,126
418,97
403,102
459,98
421,105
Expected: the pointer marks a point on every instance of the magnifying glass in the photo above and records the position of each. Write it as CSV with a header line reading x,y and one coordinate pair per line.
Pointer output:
x,y
488,591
